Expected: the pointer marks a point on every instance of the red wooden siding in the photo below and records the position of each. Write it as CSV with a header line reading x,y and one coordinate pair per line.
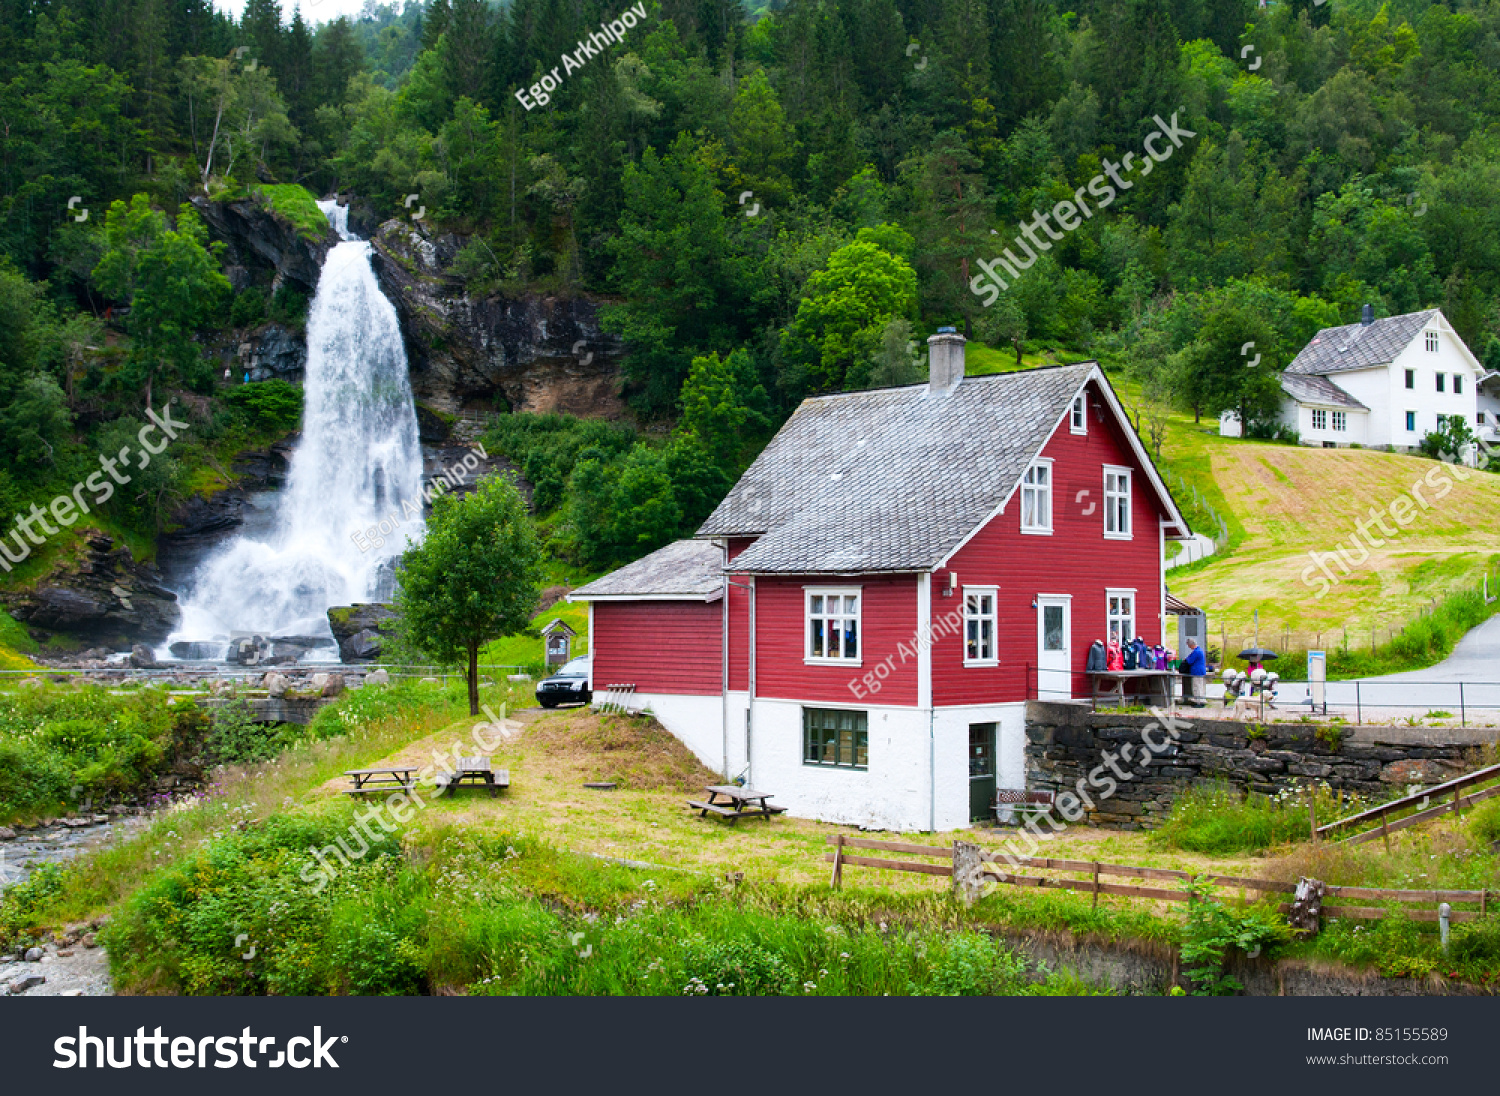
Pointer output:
x,y
659,646
888,618
739,622
1076,559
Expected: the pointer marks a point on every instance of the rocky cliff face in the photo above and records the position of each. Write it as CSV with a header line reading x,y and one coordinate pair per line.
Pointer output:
x,y
254,239
538,354
101,597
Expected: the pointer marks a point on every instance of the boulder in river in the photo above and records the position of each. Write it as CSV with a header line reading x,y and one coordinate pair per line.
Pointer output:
x,y
361,630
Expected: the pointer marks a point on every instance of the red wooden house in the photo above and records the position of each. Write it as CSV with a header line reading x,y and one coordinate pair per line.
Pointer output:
x,y
860,623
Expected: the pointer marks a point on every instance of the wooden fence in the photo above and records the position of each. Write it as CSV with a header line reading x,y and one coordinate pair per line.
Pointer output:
x,y
1448,796
1096,885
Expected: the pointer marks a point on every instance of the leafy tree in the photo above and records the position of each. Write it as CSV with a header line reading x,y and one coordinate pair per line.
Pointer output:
x,y
724,408
172,281
843,315
474,577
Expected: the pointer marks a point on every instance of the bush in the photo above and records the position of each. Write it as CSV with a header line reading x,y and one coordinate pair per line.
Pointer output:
x,y
248,309
1220,821
1484,823
273,406
237,738
1214,932
736,968
19,905
33,780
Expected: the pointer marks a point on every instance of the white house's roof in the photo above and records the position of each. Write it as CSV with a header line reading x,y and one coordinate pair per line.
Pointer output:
x,y
686,570
1359,346
1318,390
896,479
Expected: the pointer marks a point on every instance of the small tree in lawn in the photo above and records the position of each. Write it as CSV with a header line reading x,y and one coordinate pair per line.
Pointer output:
x,y
474,578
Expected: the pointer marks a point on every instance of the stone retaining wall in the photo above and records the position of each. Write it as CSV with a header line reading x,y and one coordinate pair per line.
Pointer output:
x,y
1066,742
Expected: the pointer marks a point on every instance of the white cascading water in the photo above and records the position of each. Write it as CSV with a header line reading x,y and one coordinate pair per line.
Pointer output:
x,y
358,461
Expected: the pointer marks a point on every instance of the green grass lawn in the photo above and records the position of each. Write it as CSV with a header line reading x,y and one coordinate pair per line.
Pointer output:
x,y
527,650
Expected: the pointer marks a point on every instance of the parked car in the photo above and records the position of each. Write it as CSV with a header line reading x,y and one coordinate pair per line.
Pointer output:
x,y
570,685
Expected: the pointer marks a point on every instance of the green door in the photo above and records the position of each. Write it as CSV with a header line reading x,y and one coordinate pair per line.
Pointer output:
x,y
981,771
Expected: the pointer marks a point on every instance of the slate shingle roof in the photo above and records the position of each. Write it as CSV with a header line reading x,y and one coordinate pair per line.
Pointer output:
x,y
684,568
891,479
1359,346
1309,389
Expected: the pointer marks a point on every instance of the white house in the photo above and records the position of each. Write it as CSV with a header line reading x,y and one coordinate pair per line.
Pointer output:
x,y
1487,417
1385,382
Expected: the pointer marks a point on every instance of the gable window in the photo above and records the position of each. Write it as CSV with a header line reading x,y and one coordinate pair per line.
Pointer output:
x,y
1036,498
979,626
1121,625
1341,420
1079,418
1432,342
1411,422
1458,385
1411,378
833,625
1117,503
1320,419
1439,381
835,738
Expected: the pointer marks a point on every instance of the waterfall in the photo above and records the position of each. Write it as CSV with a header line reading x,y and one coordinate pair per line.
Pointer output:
x,y
358,462
338,217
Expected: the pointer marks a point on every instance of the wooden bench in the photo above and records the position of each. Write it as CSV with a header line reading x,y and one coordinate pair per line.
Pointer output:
x,y
1022,801
736,803
478,771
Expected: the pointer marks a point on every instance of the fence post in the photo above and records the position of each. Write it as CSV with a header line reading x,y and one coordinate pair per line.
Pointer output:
x,y
1096,884
838,863
968,872
1463,716
1358,712
1312,814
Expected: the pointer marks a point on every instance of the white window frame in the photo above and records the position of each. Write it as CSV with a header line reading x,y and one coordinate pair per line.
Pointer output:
x,y
1431,342
1043,493
1341,421
979,618
1111,617
1411,380
1319,418
1078,415
1411,421
825,592
1110,497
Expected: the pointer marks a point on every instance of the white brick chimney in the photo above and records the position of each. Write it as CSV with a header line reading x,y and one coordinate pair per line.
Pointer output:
x,y
945,361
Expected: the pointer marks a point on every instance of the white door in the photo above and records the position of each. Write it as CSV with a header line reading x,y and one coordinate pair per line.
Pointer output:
x,y
1054,655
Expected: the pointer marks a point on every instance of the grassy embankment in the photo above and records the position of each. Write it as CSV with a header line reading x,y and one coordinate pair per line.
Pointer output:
x,y
479,889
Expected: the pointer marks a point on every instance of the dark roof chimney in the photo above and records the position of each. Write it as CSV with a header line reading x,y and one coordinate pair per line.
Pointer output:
x,y
1367,315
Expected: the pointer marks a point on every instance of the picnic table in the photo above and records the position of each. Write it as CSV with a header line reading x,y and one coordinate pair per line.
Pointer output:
x,y
737,803
1156,685
478,771
399,778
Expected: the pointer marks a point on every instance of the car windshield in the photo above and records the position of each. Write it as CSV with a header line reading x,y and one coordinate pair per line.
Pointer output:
x,y
579,667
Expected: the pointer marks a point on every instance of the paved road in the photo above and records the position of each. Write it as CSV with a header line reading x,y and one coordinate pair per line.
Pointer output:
x,y
1475,662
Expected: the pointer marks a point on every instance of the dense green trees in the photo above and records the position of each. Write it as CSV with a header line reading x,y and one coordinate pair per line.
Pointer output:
x,y
775,202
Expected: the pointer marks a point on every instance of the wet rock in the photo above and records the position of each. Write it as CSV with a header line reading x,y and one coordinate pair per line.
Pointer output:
x,y
194,650
255,237
102,596
377,677
29,981
7,834
33,955
276,685
361,630
275,351
142,657
333,684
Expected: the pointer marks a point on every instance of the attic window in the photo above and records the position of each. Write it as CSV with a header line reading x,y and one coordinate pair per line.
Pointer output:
x,y
1036,498
1079,418
1432,342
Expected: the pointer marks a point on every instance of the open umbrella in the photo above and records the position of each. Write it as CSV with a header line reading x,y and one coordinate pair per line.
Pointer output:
x,y
1257,654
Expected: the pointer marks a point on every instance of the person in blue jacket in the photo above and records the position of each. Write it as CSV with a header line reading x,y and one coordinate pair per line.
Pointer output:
x,y
1194,668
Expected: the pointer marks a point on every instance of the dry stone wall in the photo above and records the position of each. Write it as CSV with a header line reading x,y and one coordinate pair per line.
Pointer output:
x,y
1065,743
